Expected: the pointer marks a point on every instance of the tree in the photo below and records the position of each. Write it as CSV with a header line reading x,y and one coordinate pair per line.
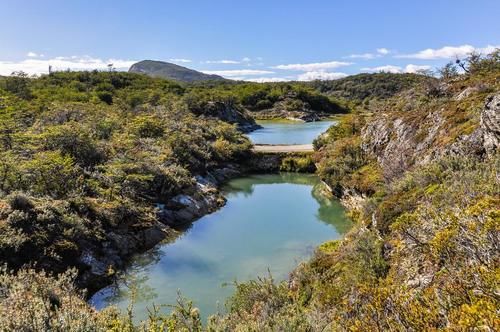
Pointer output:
x,y
448,71
18,84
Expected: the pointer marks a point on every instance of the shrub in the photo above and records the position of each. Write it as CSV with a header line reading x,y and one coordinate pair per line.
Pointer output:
x,y
105,96
51,173
298,164
147,127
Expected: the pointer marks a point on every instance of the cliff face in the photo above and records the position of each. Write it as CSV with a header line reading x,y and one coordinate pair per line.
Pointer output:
x,y
400,140
431,223
230,113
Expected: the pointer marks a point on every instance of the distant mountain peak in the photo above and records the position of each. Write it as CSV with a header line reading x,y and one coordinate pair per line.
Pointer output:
x,y
171,71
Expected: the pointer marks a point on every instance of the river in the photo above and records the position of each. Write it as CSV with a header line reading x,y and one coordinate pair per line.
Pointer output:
x,y
288,132
270,222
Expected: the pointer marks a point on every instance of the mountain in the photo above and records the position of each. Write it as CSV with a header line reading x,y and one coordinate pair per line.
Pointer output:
x,y
171,71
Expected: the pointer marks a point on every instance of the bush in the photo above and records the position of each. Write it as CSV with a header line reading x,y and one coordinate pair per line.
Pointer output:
x,y
73,141
297,164
105,96
147,127
51,173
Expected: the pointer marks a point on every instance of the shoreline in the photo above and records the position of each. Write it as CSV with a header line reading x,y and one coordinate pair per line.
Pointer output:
x,y
206,197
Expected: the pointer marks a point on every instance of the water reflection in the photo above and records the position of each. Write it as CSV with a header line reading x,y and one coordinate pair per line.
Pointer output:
x,y
269,222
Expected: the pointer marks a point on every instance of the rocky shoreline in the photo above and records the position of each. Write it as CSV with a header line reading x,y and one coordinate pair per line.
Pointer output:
x,y
102,264
172,217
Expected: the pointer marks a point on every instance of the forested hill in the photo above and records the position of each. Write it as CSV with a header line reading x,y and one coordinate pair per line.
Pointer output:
x,y
172,72
377,85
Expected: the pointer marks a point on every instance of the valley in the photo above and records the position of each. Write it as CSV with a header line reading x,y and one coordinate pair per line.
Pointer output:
x,y
118,189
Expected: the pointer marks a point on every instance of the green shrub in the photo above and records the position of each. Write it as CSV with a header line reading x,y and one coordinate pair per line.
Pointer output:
x,y
51,173
297,164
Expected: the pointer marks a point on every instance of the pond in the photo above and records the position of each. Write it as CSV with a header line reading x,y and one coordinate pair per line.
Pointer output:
x,y
288,132
269,222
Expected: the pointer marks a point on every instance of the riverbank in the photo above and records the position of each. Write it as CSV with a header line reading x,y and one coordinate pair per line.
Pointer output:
x,y
200,199
422,187
239,241
203,198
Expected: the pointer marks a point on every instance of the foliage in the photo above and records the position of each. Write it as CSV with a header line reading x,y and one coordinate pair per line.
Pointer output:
x,y
91,166
362,86
304,164
75,167
36,301
434,269
424,253
264,97
18,84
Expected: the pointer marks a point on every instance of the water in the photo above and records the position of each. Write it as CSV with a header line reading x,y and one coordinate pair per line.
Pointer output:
x,y
288,132
269,221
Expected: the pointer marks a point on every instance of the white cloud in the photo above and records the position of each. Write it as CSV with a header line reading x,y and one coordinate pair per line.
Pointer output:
x,y
266,79
488,49
223,61
449,52
320,75
41,66
238,72
415,68
363,56
367,56
318,66
246,59
32,54
383,51
180,60
396,69
386,69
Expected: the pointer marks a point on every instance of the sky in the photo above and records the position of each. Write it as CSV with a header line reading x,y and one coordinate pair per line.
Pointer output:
x,y
257,40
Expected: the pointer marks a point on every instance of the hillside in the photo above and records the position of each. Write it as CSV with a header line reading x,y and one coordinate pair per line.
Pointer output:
x,y
86,156
272,100
98,165
171,71
419,174
361,86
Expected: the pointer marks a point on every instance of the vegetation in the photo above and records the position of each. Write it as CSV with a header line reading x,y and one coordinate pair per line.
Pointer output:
x,y
84,154
266,100
424,253
357,88
298,163
270,99
433,263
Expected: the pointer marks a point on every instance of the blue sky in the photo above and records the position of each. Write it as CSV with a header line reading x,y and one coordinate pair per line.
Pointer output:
x,y
253,40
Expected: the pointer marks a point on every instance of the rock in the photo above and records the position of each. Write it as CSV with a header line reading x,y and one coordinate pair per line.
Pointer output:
x,y
392,143
97,267
485,140
154,235
230,113
469,91
185,208
225,173
400,143
490,125
352,200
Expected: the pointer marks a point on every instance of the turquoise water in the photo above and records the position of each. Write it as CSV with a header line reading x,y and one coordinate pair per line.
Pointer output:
x,y
288,132
269,222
